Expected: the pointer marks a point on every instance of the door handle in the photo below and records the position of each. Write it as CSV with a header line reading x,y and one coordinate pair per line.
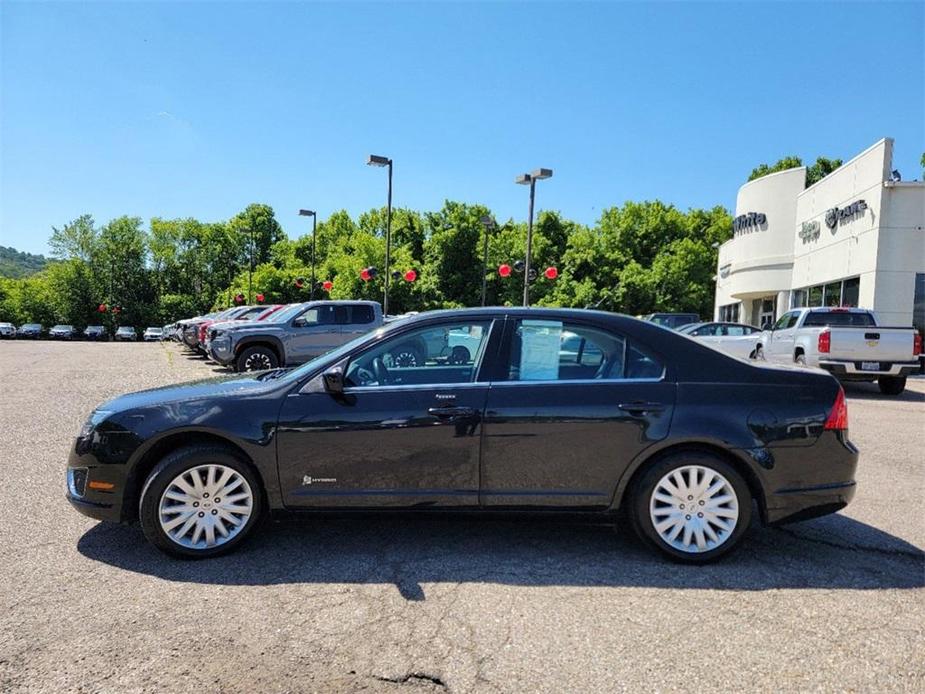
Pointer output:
x,y
641,408
450,412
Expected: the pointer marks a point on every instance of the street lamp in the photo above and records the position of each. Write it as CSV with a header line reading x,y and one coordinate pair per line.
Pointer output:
x,y
489,224
530,179
314,216
250,266
375,160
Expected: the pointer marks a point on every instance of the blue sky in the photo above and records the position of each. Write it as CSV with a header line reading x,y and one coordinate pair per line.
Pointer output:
x,y
197,109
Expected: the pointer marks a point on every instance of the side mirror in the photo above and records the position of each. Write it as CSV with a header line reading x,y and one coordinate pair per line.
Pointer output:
x,y
334,381
299,322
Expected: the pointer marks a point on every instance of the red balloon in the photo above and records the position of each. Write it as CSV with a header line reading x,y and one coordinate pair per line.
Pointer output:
x,y
364,274
411,276
259,297
327,285
101,308
551,273
504,270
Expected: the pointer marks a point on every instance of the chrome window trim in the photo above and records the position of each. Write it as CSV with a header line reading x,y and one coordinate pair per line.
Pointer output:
x,y
581,382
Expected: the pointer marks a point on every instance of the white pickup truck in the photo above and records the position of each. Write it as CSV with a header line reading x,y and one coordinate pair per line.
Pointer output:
x,y
846,342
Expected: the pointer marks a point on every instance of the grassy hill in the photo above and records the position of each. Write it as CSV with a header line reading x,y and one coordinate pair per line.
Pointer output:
x,y
15,263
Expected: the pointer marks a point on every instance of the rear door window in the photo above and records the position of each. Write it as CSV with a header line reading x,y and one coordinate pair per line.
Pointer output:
x,y
549,350
361,313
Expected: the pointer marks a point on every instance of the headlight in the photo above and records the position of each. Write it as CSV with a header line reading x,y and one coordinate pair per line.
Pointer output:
x,y
96,418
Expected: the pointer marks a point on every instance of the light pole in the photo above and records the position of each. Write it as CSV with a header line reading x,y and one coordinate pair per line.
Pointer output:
x,y
531,179
489,225
375,160
314,216
250,265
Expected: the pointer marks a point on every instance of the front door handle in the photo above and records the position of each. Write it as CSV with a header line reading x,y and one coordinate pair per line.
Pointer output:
x,y
641,408
450,412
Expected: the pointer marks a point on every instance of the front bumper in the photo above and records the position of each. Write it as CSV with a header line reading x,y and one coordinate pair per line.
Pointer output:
x,y
220,351
89,464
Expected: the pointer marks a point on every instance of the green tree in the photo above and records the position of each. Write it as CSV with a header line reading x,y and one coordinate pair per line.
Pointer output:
x,y
814,173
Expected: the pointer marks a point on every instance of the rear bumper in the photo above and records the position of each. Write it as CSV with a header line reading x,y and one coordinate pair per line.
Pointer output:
x,y
851,370
791,505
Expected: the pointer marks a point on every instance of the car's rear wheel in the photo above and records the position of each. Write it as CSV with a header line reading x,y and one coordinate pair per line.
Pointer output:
x,y
692,506
257,358
759,353
200,501
800,359
892,385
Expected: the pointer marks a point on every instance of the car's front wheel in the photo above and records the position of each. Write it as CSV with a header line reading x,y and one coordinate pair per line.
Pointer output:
x,y
257,358
200,501
692,506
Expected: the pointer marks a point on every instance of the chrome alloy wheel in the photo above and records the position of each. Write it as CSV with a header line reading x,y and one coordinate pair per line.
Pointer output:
x,y
694,509
205,506
257,362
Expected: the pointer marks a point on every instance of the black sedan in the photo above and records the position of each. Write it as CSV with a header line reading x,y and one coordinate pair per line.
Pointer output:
x,y
555,410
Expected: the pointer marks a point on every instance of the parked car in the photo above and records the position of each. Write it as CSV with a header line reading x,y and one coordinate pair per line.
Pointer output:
x,y
846,342
216,327
241,313
153,334
294,335
125,333
62,332
30,331
96,332
672,320
7,330
737,339
522,428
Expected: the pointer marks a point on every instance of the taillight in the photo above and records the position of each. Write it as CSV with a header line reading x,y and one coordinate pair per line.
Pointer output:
x,y
838,417
917,345
825,342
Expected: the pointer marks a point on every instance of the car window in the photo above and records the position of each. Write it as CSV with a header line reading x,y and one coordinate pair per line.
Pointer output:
x,y
319,315
784,321
707,330
361,313
437,354
836,318
736,330
549,350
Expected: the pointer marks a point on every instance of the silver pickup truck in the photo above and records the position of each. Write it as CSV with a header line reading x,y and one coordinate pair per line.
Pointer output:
x,y
846,342
293,335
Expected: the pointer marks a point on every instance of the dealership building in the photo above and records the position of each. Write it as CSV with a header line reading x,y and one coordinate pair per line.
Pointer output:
x,y
855,238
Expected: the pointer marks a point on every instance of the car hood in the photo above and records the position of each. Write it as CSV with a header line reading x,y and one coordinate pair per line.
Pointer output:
x,y
248,325
234,385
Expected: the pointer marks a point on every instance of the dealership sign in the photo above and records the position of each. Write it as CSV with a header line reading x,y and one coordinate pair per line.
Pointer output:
x,y
809,231
837,215
750,221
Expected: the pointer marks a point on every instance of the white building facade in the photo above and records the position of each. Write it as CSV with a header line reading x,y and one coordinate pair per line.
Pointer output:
x,y
855,238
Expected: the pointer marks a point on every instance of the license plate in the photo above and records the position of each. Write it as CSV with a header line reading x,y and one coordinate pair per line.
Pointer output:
x,y
870,366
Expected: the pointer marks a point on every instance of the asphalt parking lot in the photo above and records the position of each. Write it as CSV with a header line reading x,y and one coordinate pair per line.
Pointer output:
x,y
442,604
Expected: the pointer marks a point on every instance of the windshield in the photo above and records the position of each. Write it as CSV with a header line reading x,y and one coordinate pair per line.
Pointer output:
x,y
126,330
339,353
32,325
284,314
94,327
62,327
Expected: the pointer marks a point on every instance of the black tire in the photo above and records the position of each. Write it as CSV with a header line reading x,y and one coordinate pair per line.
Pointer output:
x,y
406,356
460,355
167,470
644,487
892,385
256,358
800,359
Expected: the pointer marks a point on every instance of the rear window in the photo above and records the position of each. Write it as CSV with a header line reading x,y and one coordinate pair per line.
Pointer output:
x,y
836,318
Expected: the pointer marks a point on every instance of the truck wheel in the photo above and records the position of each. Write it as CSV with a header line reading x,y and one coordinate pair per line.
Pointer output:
x,y
460,355
892,385
257,358
800,359
407,356
759,353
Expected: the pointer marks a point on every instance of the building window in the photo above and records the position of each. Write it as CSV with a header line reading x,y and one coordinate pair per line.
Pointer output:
x,y
841,293
918,303
729,313
851,292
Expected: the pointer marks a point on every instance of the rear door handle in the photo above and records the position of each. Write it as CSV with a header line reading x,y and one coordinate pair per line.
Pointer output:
x,y
450,412
641,408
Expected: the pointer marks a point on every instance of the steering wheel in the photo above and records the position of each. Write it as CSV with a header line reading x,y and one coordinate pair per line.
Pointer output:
x,y
380,371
